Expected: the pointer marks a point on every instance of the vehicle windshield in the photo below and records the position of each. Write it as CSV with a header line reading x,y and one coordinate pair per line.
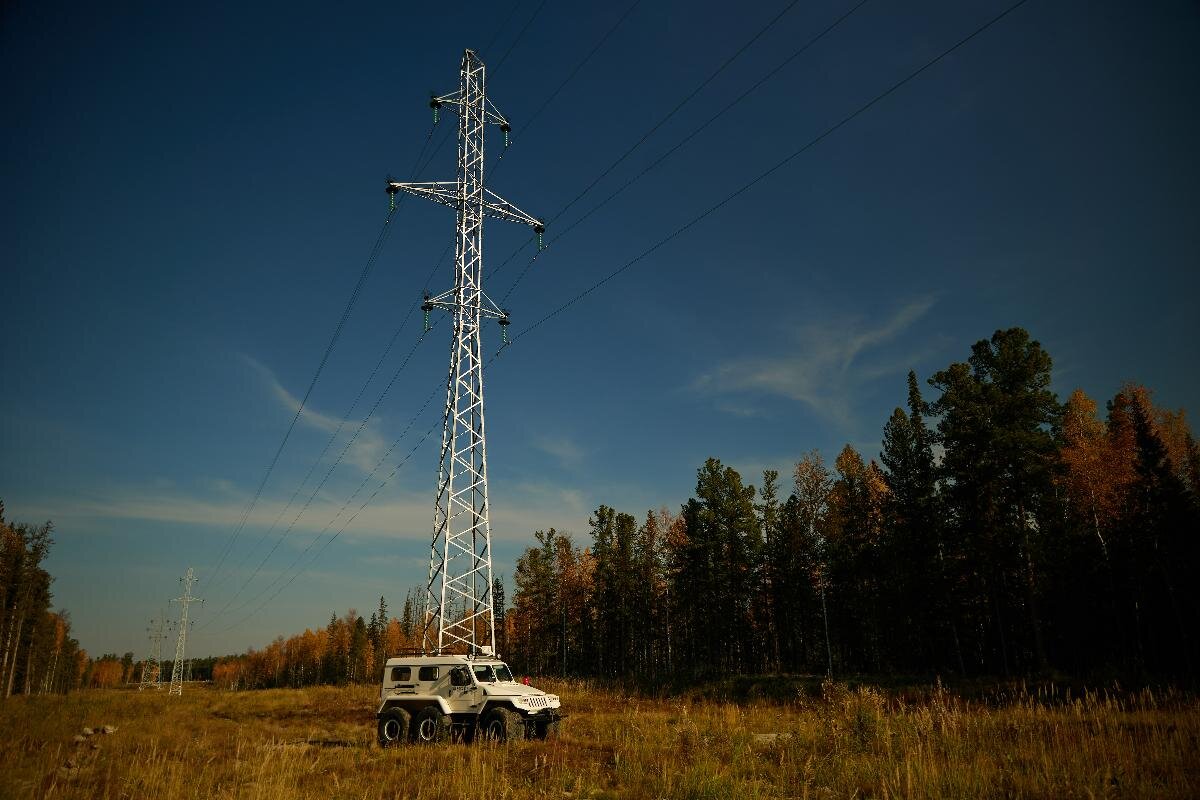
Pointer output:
x,y
490,673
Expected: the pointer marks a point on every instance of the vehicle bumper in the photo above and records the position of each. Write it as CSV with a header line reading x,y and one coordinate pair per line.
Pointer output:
x,y
545,715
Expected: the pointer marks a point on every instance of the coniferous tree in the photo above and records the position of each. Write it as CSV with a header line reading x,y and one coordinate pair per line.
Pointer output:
x,y
771,571
921,629
1160,535
997,416
723,548
498,611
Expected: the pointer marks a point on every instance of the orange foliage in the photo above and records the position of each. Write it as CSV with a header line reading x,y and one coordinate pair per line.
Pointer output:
x,y
107,672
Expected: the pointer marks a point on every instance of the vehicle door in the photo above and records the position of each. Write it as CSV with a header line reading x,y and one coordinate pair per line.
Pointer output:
x,y
465,694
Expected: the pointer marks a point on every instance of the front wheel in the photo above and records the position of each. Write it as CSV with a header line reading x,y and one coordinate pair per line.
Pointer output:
x,y
393,727
429,726
502,725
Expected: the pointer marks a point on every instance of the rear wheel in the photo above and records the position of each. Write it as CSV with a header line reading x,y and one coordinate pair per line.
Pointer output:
x,y
430,725
503,724
393,727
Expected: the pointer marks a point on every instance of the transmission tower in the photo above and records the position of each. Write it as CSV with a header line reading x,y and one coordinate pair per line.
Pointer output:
x,y
152,666
459,591
184,601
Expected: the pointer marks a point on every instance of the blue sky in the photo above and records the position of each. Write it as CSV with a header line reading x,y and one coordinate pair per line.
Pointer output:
x,y
190,197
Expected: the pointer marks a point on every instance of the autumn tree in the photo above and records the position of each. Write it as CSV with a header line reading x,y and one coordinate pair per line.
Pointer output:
x,y
853,534
37,653
1157,541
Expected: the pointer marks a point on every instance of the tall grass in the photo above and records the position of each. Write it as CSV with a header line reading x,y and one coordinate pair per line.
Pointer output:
x,y
842,743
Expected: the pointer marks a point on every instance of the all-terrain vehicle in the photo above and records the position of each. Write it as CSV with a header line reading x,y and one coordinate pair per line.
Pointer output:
x,y
435,698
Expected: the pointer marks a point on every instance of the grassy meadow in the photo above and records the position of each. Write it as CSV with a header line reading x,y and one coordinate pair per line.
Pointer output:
x,y
836,742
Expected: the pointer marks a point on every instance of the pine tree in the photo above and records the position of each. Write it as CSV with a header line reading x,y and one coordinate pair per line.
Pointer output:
x,y
498,611
922,629
724,546
997,420
770,571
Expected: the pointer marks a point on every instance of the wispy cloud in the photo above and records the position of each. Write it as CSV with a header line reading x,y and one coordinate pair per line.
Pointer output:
x,y
563,448
368,445
740,409
566,501
395,514
824,367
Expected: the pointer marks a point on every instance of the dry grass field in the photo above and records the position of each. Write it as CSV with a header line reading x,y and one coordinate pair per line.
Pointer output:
x,y
319,743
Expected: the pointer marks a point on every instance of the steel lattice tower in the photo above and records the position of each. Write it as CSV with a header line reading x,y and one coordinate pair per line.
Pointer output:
x,y
459,591
184,601
152,666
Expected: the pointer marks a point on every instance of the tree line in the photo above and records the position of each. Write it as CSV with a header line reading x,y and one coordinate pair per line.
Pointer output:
x,y
37,653
349,649
1000,532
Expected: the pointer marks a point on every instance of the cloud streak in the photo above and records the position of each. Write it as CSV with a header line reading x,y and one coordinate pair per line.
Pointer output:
x,y
398,514
824,369
568,453
368,446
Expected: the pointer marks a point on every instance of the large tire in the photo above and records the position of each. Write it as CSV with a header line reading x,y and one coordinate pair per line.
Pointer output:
x,y
393,727
430,726
503,725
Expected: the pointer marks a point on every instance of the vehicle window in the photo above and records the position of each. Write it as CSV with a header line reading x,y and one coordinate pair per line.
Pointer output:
x,y
459,676
428,674
483,674
401,674
503,674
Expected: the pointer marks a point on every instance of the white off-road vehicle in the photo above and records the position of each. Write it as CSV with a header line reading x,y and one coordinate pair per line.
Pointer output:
x,y
434,698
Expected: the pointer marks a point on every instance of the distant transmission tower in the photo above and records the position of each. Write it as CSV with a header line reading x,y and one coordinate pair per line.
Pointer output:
x,y
152,666
184,602
460,562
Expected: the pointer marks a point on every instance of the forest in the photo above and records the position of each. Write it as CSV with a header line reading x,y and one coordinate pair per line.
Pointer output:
x,y
37,653
1000,533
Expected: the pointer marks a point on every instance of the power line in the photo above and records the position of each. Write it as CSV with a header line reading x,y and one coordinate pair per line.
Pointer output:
x,y
337,432
678,106
520,34
496,34
724,65
771,170
670,237
342,510
345,449
675,148
700,87
570,76
580,65
337,332
380,240
418,168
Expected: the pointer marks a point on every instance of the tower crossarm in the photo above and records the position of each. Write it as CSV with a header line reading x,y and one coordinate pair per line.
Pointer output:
x,y
485,307
491,114
447,193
